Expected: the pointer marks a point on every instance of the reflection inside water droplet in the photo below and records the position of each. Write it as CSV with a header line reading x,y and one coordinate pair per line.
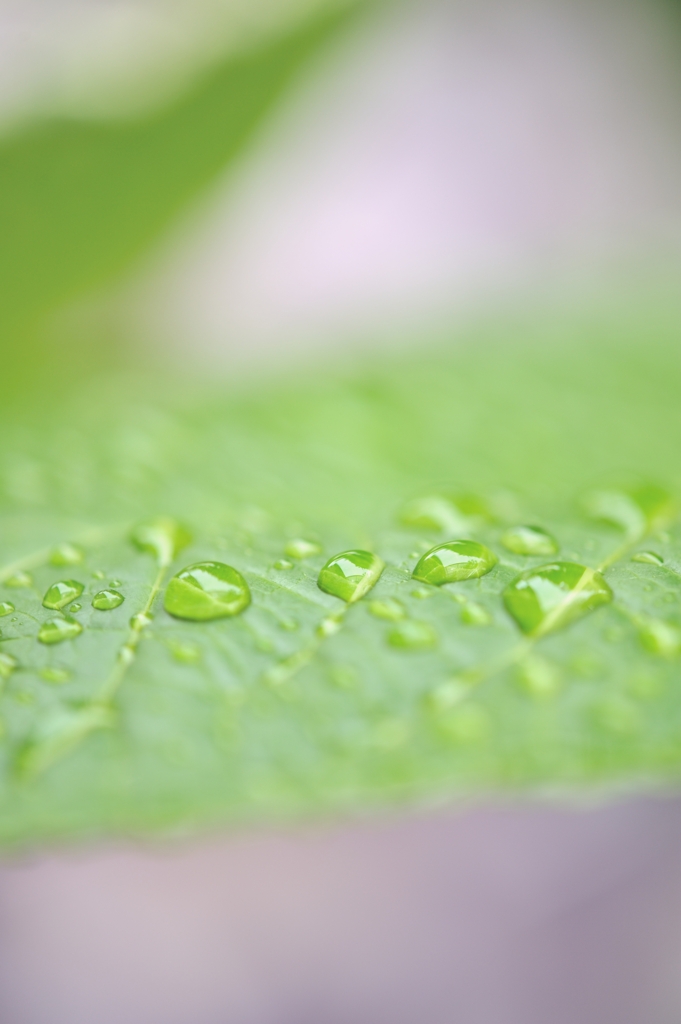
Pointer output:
x,y
550,597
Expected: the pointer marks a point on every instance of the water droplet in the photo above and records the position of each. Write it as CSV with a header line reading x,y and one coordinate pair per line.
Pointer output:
x,y
634,510
98,574
188,654
283,564
53,674
206,591
390,608
19,579
647,558
115,583
391,734
529,540
433,512
538,676
75,607
106,600
62,593
55,631
474,614
302,549
454,561
8,663
659,637
550,597
290,625
141,620
448,695
422,593
126,654
6,608
350,575
412,635
66,554
329,626
164,538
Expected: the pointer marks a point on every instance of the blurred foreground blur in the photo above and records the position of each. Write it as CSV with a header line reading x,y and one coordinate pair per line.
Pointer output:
x,y
427,161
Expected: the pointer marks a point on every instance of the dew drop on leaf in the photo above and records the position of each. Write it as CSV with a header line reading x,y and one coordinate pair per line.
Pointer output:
x,y
62,593
659,637
412,635
163,537
76,607
538,676
66,554
647,558
55,631
283,564
433,512
8,663
186,653
550,597
390,608
206,591
329,626
422,593
448,695
529,540
106,600
18,580
141,620
350,575
474,614
54,674
6,608
300,549
115,583
454,561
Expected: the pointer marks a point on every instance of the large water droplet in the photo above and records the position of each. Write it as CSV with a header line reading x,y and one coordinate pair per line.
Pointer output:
x,y
454,561
105,600
62,593
164,538
529,540
413,635
8,663
552,596
300,549
66,554
205,591
433,512
19,579
54,631
6,608
660,637
647,558
390,608
350,575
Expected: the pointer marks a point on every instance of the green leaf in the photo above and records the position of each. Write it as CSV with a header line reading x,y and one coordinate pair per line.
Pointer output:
x,y
305,701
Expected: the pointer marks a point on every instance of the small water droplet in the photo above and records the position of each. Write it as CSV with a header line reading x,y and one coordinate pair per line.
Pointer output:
x,y
115,583
647,558
550,597
8,663
659,637
75,607
474,614
106,600
188,654
6,608
413,635
62,593
433,512
53,674
126,654
98,574
206,591
163,537
19,579
66,554
350,575
390,734
454,561
529,540
329,626
141,620
283,564
422,593
538,676
290,625
300,548
448,695
390,608
55,631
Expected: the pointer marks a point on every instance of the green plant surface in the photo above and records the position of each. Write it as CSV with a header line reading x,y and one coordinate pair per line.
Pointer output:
x,y
286,699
